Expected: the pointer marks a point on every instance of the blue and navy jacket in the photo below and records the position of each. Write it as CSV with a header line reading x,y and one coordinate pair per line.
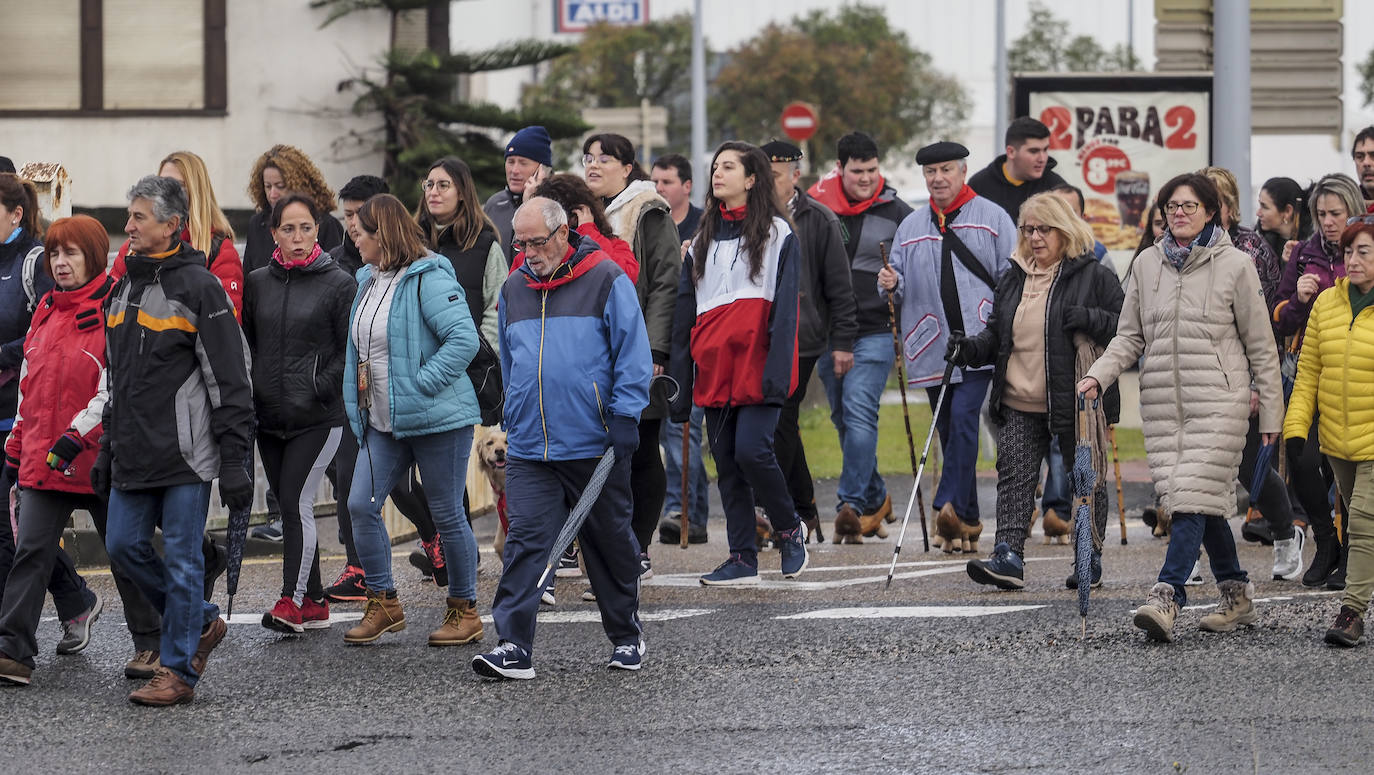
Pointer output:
x,y
574,351
430,340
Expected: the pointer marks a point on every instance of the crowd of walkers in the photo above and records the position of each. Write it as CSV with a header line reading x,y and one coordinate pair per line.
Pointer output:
x,y
620,317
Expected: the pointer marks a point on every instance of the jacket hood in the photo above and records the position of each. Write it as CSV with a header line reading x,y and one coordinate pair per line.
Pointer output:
x,y
635,189
95,288
586,254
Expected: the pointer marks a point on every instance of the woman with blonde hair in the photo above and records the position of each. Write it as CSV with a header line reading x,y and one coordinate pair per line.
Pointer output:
x,y
280,169
409,401
1055,288
207,230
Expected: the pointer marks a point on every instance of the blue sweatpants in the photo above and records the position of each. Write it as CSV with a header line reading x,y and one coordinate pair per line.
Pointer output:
x,y
539,496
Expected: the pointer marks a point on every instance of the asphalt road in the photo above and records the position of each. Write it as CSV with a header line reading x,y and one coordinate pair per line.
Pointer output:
x,y
828,673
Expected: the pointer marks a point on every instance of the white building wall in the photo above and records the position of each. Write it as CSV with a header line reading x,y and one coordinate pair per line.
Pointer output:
x,y
282,77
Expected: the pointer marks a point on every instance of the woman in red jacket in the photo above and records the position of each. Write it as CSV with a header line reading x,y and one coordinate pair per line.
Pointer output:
x,y
55,440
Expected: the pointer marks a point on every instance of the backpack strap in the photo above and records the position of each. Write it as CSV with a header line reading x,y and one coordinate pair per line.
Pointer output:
x,y
29,275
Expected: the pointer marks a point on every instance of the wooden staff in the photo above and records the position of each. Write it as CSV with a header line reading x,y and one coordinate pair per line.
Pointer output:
x,y
906,415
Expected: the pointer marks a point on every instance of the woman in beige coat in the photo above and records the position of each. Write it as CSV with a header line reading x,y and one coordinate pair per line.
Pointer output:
x,y
1194,309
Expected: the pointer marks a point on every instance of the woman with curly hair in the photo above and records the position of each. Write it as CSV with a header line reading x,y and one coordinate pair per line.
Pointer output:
x,y
281,169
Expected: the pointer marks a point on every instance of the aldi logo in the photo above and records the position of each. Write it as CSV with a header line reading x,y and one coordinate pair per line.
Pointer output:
x,y
578,15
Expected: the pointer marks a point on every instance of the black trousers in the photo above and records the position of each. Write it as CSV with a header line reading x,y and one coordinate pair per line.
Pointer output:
x,y
648,483
787,445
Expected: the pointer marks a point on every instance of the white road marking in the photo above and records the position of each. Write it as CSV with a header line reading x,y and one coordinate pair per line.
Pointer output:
x,y
582,617
765,582
912,612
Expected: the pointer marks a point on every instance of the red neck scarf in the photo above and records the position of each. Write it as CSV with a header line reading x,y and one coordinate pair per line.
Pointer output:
x,y
942,214
307,261
732,213
829,191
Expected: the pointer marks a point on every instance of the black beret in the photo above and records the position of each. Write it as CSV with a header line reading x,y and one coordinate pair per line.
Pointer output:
x,y
940,152
777,150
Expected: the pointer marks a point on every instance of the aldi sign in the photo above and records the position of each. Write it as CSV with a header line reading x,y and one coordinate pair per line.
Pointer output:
x,y
578,15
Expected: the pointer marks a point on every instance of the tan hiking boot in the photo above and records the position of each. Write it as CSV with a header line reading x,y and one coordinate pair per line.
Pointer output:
x,y
383,614
1056,529
166,688
143,665
847,526
1157,616
461,624
872,524
1235,609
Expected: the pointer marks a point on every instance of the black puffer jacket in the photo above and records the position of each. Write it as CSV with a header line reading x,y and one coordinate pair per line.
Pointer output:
x,y
258,244
1080,282
296,324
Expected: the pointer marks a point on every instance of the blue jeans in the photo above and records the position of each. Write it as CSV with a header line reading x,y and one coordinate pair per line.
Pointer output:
x,y
1056,493
854,411
697,486
1188,533
443,461
175,583
958,428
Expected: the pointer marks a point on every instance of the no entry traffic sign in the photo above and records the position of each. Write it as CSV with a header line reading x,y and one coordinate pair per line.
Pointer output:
x,y
799,121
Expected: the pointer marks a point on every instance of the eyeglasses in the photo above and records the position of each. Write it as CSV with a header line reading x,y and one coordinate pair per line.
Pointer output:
x,y
442,185
602,160
1187,207
525,244
1369,218
1029,231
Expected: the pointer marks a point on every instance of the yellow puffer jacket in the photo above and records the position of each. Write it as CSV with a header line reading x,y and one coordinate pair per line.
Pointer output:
x,y
1336,377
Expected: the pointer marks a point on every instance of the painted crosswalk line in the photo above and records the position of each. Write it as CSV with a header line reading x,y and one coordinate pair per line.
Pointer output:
x,y
912,612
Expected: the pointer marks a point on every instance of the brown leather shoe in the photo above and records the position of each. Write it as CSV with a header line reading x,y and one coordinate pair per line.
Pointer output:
x,y
166,688
210,637
846,526
950,529
461,624
872,524
143,665
12,671
383,614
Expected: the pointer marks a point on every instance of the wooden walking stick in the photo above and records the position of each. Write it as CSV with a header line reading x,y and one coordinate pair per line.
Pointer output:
x,y
1120,499
686,466
906,415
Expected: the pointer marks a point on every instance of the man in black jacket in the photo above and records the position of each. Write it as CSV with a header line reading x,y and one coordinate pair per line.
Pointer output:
x,y
869,212
826,316
179,414
1025,170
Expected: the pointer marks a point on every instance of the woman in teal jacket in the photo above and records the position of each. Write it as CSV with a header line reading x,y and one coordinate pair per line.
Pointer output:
x,y
409,400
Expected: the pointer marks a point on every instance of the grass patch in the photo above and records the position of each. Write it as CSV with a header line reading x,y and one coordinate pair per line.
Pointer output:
x,y
825,459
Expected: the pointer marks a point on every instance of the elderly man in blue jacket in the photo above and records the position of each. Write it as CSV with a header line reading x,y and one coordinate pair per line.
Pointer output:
x,y
576,365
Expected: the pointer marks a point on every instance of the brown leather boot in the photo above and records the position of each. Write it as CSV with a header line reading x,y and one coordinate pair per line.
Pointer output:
x,y
166,688
461,624
383,614
210,637
1055,528
872,524
144,665
846,526
950,529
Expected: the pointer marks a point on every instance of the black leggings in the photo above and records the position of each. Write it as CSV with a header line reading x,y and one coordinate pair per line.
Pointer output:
x,y
294,467
1312,479
648,483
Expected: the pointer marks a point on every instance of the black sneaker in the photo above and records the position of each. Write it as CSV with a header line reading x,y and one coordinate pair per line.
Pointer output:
x,y
646,568
349,585
1348,629
1257,531
76,633
429,559
670,529
268,532
1072,581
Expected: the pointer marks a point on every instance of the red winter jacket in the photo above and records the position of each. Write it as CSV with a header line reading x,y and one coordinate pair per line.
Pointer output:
x,y
226,265
61,386
616,248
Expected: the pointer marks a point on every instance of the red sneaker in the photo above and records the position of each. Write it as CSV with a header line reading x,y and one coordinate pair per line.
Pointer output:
x,y
285,616
315,616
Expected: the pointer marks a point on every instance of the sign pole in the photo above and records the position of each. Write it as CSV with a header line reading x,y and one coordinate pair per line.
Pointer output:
x,y
698,104
1231,90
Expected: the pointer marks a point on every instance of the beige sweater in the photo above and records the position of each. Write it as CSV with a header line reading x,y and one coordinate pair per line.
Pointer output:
x,y
1025,389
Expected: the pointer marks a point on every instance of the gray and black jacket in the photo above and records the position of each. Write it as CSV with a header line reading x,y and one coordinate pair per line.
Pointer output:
x,y
178,365
863,234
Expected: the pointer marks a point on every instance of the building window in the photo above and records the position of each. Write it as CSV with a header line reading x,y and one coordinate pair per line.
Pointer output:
x,y
114,57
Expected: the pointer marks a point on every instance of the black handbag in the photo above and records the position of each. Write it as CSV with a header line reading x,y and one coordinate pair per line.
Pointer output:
x,y
485,373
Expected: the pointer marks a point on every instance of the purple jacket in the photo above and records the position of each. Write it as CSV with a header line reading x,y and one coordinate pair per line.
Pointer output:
x,y
1290,314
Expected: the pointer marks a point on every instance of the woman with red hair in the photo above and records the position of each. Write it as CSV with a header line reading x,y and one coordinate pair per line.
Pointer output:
x,y
55,439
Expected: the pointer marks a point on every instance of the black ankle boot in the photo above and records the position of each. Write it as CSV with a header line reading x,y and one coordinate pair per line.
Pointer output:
x,y
1324,562
1337,578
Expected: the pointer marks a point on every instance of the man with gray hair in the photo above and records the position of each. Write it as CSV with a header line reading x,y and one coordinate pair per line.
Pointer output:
x,y
179,414
576,364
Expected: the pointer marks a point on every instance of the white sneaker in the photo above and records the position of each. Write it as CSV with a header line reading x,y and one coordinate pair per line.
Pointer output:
x,y
1288,557
1195,578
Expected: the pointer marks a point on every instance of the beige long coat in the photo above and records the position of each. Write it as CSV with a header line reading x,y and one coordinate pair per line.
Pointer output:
x,y
1205,335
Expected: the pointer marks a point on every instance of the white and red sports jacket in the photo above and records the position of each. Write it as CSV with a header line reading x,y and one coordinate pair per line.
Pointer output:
x,y
735,337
